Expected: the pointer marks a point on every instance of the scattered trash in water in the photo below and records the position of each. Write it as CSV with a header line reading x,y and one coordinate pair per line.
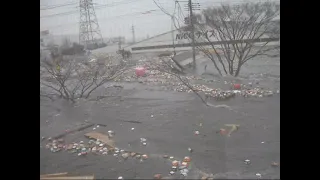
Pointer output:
x,y
144,156
120,177
190,150
259,175
262,142
174,168
175,163
125,155
237,86
187,159
196,132
234,127
247,161
274,164
184,165
157,176
110,133
132,129
184,172
204,178
151,116
223,131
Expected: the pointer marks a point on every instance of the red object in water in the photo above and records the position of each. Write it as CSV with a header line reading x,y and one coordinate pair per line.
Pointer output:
x,y
223,131
140,71
237,86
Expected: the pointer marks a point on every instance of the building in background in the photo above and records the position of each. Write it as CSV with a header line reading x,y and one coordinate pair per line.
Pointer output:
x,y
116,40
46,39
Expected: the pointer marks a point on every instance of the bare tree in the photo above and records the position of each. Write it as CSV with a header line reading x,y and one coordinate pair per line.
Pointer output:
x,y
71,79
237,34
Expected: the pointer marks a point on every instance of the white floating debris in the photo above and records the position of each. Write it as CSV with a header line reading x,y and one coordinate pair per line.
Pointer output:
x,y
120,177
132,129
262,142
184,172
247,161
258,174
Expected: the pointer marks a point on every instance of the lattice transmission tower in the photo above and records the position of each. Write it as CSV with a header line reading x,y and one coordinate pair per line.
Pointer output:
x,y
89,32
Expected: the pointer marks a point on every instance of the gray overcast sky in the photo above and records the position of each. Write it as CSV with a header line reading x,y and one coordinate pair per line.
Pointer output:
x,y
111,25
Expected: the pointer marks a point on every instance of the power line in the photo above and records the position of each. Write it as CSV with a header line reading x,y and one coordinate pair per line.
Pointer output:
x,y
57,6
128,14
96,7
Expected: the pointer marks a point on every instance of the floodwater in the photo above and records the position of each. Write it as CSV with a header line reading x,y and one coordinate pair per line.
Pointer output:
x,y
168,121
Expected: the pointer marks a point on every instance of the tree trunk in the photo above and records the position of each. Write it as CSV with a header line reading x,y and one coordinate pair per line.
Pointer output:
x,y
238,71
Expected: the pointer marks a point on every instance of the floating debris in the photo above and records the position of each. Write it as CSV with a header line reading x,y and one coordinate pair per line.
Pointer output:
x,y
125,155
184,172
258,175
175,163
144,156
274,164
157,176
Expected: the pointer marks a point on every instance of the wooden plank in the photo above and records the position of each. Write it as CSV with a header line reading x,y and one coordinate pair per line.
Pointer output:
x,y
54,175
69,178
103,138
74,130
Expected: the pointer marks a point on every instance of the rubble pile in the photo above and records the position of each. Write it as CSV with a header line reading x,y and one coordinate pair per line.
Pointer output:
x,y
94,147
97,147
156,75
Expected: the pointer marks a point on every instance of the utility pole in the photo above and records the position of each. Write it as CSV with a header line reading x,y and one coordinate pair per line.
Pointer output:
x,y
192,34
89,30
133,35
172,35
